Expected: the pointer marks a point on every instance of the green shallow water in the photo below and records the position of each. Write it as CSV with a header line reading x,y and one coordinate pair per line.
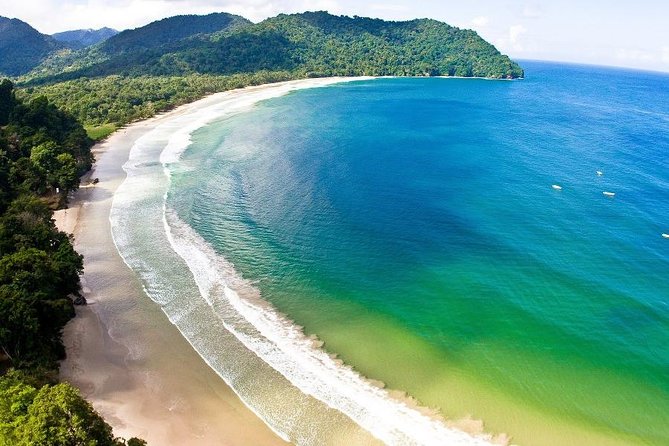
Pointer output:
x,y
411,225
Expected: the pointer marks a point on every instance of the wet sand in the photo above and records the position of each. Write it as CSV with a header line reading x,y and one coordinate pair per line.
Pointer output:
x,y
123,353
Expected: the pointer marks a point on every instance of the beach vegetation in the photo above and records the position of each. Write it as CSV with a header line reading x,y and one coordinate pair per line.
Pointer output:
x,y
50,415
42,153
109,102
100,132
39,272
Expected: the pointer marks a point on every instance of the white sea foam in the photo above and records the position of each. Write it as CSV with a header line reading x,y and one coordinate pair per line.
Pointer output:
x,y
256,324
281,344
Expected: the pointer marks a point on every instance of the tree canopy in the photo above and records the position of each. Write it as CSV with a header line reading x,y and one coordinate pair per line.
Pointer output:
x,y
41,149
53,415
307,44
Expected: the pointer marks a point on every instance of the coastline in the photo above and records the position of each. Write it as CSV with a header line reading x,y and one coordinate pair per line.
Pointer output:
x,y
531,428
145,379
123,353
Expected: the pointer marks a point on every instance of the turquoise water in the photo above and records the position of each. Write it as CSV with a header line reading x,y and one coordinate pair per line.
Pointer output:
x,y
421,212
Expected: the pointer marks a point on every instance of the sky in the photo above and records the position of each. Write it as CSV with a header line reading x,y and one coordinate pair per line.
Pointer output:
x,y
618,33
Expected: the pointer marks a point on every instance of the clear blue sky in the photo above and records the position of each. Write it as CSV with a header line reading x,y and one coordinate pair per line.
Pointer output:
x,y
619,33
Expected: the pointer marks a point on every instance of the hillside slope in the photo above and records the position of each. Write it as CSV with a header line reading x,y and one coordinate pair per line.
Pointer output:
x,y
22,47
307,44
172,29
140,72
129,50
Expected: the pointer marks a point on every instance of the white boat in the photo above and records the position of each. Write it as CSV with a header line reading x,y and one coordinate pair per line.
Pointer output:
x,y
609,194
600,173
665,235
556,187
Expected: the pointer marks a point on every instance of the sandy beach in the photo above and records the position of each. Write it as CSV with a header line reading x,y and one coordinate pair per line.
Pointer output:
x,y
141,373
123,353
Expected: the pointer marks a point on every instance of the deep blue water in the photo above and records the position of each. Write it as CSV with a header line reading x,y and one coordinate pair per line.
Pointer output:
x,y
428,203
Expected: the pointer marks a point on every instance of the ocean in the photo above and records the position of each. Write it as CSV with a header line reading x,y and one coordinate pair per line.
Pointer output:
x,y
449,238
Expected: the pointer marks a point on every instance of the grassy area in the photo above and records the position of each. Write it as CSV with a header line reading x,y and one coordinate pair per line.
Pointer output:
x,y
100,132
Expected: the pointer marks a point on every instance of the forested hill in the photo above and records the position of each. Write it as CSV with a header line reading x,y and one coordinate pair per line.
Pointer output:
x,y
324,44
166,31
22,47
307,44
170,62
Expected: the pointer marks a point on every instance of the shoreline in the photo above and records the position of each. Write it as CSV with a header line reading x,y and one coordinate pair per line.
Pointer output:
x,y
532,429
123,353
176,399
124,367
143,377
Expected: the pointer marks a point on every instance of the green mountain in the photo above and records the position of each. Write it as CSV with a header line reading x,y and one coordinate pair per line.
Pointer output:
x,y
81,38
307,44
322,44
163,32
22,47
130,49
139,72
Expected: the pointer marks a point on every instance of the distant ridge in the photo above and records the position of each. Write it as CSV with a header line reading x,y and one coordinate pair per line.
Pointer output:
x,y
22,47
81,38
165,31
307,44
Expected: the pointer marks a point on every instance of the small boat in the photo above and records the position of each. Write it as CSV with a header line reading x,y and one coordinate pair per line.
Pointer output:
x,y
556,187
609,194
600,173
665,235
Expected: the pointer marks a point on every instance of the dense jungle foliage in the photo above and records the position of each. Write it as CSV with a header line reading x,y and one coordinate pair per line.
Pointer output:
x,y
43,151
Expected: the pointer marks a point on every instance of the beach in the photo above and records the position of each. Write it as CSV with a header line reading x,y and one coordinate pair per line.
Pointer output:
x,y
235,242
161,356
123,353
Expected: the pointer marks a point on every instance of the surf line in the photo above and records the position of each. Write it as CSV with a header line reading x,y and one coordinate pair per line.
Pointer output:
x,y
287,350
